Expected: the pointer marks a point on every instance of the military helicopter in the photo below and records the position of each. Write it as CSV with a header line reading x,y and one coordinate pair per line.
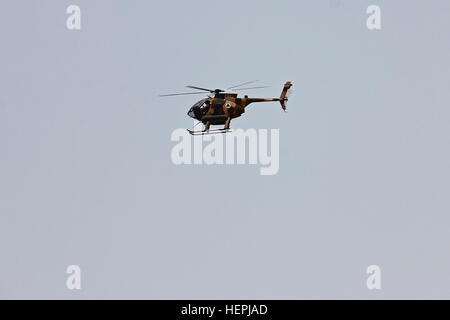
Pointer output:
x,y
220,108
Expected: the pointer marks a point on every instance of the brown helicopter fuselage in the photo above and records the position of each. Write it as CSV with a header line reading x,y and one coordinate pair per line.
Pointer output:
x,y
216,110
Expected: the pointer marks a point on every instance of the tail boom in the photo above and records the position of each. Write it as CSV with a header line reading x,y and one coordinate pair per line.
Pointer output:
x,y
282,99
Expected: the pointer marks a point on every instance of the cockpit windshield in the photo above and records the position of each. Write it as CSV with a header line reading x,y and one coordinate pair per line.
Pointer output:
x,y
202,104
199,109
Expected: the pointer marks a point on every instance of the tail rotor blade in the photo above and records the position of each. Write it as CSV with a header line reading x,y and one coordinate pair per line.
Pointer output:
x,y
289,93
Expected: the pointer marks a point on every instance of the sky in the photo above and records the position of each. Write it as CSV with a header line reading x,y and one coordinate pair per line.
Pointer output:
x,y
86,176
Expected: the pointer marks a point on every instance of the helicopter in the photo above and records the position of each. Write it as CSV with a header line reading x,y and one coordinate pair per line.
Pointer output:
x,y
222,106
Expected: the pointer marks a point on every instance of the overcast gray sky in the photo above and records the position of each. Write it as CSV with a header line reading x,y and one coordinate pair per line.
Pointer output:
x,y
86,176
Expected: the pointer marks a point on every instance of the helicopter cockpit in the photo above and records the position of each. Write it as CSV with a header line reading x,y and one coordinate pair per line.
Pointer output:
x,y
198,109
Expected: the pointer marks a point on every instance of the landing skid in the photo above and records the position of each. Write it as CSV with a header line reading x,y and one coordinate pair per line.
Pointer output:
x,y
204,132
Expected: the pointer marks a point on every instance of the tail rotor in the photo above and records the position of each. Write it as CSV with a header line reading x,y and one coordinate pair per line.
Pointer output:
x,y
285,94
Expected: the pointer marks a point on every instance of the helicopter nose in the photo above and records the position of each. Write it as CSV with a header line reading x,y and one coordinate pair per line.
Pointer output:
x,y
191,113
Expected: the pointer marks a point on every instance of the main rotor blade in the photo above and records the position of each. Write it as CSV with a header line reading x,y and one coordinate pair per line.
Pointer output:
x,y
198,88
242,84
179,94
251,88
